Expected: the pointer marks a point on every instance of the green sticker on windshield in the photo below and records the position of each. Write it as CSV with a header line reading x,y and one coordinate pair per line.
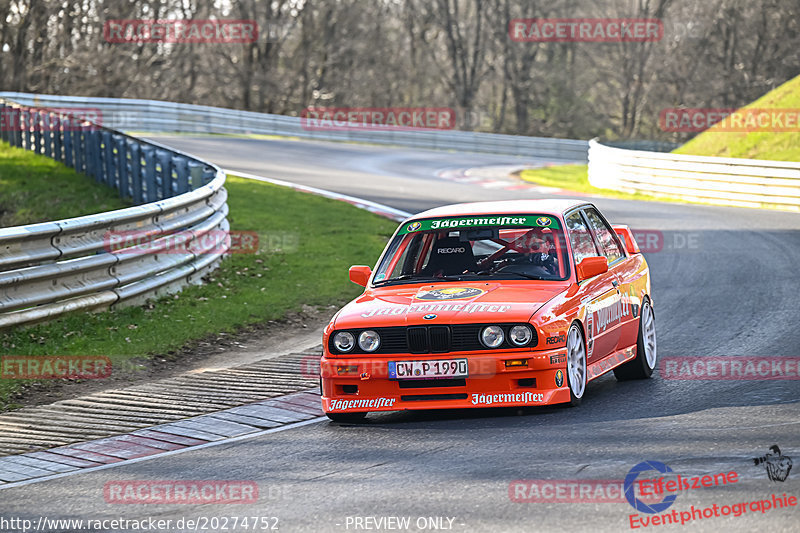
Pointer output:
x,y
533,221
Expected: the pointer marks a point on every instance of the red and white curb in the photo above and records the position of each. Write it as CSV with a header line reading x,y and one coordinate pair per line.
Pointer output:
x,y
500,177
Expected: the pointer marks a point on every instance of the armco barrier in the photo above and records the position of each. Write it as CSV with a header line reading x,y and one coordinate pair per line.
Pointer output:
x,y
156,116
50,268
717,180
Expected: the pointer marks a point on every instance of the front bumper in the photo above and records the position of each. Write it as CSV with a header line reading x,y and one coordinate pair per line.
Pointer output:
x,y
362,384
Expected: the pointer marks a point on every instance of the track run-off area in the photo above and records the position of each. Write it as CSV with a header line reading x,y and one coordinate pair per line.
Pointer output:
x,y
724,284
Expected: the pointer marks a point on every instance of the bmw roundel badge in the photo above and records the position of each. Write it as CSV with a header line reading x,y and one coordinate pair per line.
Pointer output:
x,y
429,317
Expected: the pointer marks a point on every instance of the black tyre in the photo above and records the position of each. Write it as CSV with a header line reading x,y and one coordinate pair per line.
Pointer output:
x,y
576,365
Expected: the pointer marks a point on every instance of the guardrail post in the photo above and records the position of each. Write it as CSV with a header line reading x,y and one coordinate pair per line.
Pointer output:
x,y
68,156
47,138
4,116
108,161
55,124
36,122
149,156
135,173
88,150
122,166
181,166
164,177
24,121
16,132
196,174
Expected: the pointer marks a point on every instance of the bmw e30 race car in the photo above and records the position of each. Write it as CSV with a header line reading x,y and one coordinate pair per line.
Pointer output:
x,y
491,304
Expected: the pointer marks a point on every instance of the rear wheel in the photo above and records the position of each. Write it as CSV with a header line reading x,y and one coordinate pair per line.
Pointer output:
x,y
642,366
346,417
576,365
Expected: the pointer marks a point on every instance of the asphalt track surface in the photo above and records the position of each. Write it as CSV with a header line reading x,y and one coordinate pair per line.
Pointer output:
x,y
725,283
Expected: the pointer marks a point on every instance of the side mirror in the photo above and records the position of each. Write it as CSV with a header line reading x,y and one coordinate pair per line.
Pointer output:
x,y
590,267
359,274
626,236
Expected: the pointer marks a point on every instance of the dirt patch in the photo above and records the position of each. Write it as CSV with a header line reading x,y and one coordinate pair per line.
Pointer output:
x,y
299,331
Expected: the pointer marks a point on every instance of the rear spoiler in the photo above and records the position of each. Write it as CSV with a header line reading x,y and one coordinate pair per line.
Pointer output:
x,y
626,235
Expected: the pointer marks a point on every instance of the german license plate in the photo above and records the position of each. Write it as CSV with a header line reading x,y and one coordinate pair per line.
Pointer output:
x,y
443,368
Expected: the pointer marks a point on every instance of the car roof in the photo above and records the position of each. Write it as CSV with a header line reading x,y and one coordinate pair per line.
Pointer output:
x,y
546,206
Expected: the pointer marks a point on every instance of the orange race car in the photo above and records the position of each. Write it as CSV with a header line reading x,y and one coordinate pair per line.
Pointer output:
x,y
491,304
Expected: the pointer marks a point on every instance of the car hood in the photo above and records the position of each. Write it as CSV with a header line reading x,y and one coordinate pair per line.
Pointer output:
x,y
447,303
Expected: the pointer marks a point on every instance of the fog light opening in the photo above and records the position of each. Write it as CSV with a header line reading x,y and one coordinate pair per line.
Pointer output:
x,y
350,389
347,369
527,382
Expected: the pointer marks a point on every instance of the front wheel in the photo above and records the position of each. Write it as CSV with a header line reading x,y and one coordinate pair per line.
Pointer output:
x,y
576,365
642,366
346,417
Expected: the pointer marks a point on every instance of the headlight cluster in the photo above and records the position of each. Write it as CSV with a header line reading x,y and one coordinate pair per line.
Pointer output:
x,y
368,340
493,336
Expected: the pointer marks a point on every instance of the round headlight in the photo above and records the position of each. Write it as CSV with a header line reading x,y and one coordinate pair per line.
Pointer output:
x,y
520,335
492,336
369,340
344,341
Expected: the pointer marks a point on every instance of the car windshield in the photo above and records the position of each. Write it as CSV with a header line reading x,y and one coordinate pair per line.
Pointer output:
x,y
476,247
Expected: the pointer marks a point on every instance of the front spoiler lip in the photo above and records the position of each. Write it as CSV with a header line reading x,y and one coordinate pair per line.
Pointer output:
x,y
474,400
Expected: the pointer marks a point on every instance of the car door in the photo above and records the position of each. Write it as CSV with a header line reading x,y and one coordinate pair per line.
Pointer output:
x,y
619,317
600,291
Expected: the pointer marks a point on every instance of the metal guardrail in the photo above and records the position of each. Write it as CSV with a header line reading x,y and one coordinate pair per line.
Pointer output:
x,y
717,180
157,116
51,268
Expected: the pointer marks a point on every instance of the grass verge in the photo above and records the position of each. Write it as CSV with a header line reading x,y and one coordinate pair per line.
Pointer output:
x,y
306,244
773,145
576,178
34,188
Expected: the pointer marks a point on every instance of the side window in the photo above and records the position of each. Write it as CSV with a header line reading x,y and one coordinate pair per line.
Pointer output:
x,y
580,238
605,235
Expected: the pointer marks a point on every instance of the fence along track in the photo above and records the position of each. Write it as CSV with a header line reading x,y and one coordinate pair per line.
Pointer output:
x,y
157,116
51,268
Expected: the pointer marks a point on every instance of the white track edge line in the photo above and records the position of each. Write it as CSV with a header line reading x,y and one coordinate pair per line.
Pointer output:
x,y
164,454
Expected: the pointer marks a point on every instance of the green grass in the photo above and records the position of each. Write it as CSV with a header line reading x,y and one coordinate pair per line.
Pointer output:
x,y
778,146
307,244
575,178
34,188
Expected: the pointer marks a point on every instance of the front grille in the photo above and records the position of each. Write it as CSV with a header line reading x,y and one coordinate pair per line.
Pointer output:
x,y
431,383
417,339
439,338
430,339
424,397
